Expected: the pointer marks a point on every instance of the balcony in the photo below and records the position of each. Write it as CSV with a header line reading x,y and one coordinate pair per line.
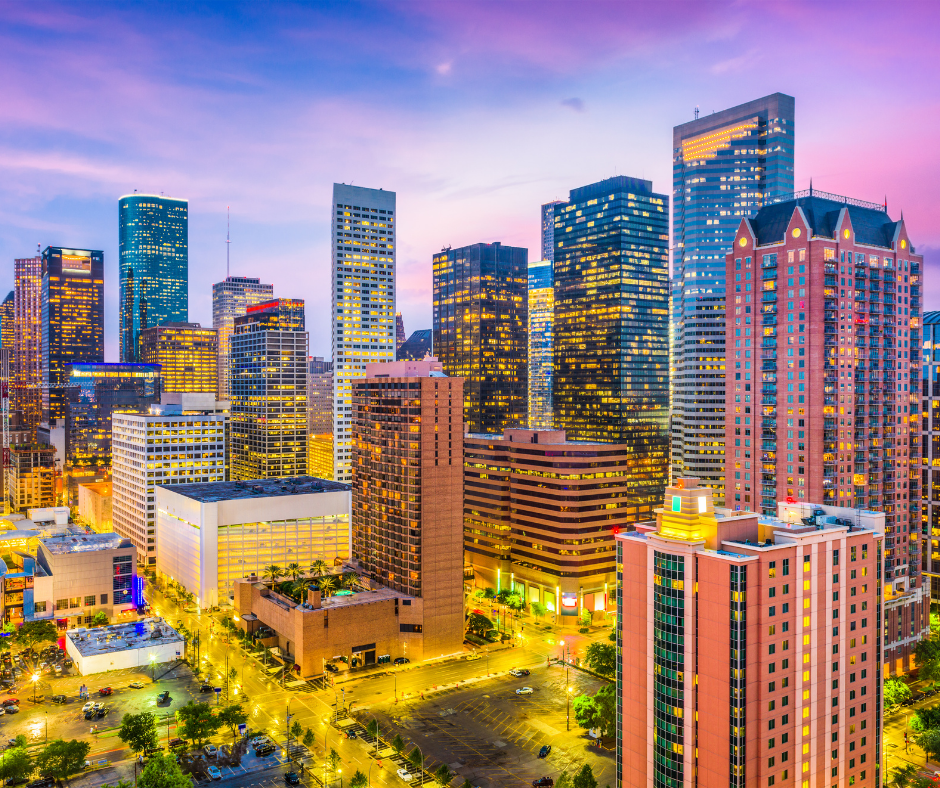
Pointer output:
x,y
768,295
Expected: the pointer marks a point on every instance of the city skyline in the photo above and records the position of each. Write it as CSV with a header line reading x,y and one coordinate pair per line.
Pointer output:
x,y
453,188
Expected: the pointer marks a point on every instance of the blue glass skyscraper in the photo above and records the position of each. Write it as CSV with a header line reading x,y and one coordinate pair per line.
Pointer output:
x,y
541,363
725,165
154,265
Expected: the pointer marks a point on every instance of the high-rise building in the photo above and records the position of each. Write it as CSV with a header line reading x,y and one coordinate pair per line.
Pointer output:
x,y
930,441
838,344
72,319
750,649
399,331
95,392
230,299
363,242
173,444
529,495
611,330
541,346
154,265
417,346
6,338
269,392
480,326
407,491
29,479
320,418
725,165
187,353
27,331
548,230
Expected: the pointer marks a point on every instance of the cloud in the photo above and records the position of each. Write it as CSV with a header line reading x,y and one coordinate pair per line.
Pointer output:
x,y
444,68
573,103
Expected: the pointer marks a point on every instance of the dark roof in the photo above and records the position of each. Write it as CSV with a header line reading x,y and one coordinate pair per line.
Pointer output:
x,y
931,318
211,492
619,183
870,221
416,346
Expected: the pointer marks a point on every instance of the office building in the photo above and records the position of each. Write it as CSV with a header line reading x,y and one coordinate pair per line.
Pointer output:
x,y
541,346
153,236
72,319
399,331
269,392
211,535
407,491
29,479
171,445
837,341
548,230
27,332
611,329
750,646
7,316
417,346
187,353
930,441
320,418
540,514
480,326
230,299
725,165
363,243
149,642
94,506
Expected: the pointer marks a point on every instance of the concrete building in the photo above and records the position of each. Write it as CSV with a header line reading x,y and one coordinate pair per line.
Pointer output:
x,y
540,514
210,535
320,418
230,299
750,646
406,495
174,444
27,589
187,353
29,479
840,377
142,644
27,334
94,506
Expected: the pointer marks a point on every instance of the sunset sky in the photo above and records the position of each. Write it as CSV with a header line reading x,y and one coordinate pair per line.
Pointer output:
x,y
474,113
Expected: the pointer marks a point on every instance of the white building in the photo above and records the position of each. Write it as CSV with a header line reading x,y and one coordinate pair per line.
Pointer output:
x,y
174,444
363,241
135,645
209,535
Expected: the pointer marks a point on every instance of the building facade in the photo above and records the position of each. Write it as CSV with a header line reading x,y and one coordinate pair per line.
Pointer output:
x,y
548,230
72,320
480,328
153,237
406,494
320,418
29,479
363,246
930,448
169,446
399,331
269,391
611,327
27,332
187,353
94,506
750,647
230,299
541,345
417,346
838,342
724,166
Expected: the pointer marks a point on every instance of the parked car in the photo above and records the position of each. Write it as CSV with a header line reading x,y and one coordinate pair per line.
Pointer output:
x,y
210,750
152,751
174,743
10,702
332,668
405,775
543,782
164,697
214,773
11,709
206,688
519,672
265,749
102,711
59,699
105,691
2,711
473,656
136,685
524,691
402,660
292,778
17,780
42,782
351,734
546,749
257,739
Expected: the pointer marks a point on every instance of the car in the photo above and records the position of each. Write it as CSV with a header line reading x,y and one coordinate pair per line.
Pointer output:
x,y
11,709
265,749
402,660
2,711
405,775
164,697
519,672
152,751
206,688
214,773
59,699
10,702
473,656
292,778
210,750
257,739
42,782
524,691
351,734
17,780
88,706
136,685
102,711
543,782
174,743
333,669
546,749
105,691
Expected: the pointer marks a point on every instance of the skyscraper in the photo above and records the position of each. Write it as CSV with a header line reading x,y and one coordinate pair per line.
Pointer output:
x,y
187,353
230,299
724,166
154,265
364,330
399,330
541,345
838,342
929,482
269,392
417,346
72,316
320,418
6,322
611,339
480,327
27,331
548,230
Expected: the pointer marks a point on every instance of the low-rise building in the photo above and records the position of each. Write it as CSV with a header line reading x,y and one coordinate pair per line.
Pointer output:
x,y
30,477
139,644
210,535
94,506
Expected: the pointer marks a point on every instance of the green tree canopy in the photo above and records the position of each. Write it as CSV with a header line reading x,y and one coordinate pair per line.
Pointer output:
x,y
359,780
926,719
443,775
598,711
398,744
139,731
927,654
100,619
231,717
929,741
33,632
415,758
296,730
602,658
477,622
333,761
197,722
372,728
16,762
309,739
895,692
162,771
538,610
61,759
564,781
585,778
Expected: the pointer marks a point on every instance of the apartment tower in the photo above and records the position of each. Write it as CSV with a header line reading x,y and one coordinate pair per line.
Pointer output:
x,y
230,299
26,392
187,353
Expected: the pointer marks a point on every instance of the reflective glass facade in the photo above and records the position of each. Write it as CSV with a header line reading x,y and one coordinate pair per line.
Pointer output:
x,y
27,330
154,265
930,443
541,362
480,326
611,369
548,229
724,166
230,299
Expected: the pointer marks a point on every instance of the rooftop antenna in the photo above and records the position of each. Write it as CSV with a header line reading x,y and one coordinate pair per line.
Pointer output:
x,y
810,187
696,111
228,240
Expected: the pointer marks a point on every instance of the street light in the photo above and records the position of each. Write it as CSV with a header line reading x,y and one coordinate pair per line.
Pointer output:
x,y
153,668
35,680
568,709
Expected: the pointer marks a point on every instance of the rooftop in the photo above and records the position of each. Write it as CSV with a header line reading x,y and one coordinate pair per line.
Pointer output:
x,y
213,492
85,543
144,634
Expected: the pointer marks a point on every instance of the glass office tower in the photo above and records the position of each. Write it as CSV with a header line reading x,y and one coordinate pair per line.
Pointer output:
x,y
541,314
725,165
154,265
230,299
27,329
611,339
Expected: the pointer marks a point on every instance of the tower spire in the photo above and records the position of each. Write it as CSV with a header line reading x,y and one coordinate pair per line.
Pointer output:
x,y
228,240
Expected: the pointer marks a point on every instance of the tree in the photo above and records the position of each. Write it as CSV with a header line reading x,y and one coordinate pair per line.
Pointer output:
x,y
327,585
598,711
139,731
15,763
231,717
373,728
319,567
162,771
564,781
61,759
197,723
20,741
293,569
929,741
585,711
333,760
272,572
309,739
895,692
359,780
489,593
443,775
33,632
926,719
296,730
100,619
398,744
585,778
416,758
538,610
602,658
349,579
466,784
585,617
477,622
927,654
612,637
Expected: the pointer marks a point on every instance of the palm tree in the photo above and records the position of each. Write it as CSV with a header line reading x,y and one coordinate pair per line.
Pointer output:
x,y
902,776
300,588
349,579
327,585
294,570
272,572
319,567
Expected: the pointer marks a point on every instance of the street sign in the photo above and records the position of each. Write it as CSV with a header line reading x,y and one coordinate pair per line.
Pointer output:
x,y
217,690
242,729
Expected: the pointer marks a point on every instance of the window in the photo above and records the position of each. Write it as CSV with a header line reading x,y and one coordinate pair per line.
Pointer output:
x,y
75,601
62,604
786,567
90,600
104,599
40,607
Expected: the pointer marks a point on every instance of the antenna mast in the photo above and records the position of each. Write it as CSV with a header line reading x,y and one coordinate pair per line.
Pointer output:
x,y
228,240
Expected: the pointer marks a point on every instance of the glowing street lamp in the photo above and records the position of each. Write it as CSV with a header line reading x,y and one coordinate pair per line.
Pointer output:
x,y
153,668
35,680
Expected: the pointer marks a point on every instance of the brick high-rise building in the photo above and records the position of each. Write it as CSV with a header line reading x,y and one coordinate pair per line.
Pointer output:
x,y
750,646
407,490
823,384
27,330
